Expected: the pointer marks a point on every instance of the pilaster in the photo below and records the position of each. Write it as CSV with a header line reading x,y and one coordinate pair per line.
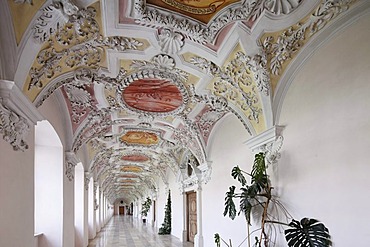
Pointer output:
x,y
17,115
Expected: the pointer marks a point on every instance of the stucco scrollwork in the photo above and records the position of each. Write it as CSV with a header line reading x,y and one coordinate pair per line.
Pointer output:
x,y
281,49
229,82
70,163
14,128
53,18
248,10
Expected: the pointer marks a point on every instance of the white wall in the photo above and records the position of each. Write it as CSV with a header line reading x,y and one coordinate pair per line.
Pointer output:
x,y
16,194
323,172
79,206
227,151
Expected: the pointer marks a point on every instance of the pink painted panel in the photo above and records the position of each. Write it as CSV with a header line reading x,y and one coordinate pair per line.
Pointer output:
x,y
153,95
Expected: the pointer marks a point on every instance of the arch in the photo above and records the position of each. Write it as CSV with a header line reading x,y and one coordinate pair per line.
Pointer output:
x,y
48,185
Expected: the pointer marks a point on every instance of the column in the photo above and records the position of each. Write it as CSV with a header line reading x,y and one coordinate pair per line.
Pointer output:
x,y
86,208
91,208
68,199
198,239
184,236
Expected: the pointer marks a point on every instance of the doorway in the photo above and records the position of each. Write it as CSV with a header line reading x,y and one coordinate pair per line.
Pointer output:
x,y
121,210
191,198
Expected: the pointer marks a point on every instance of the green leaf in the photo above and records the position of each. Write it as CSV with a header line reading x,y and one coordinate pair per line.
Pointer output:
x,y
259,167
245,204
229,203
217,240
236,173
307,233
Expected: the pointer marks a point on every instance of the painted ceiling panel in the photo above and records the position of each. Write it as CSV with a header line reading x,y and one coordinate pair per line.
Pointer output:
x,y
143,101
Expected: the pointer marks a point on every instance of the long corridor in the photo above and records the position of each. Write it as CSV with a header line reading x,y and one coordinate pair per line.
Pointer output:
x,y
124,231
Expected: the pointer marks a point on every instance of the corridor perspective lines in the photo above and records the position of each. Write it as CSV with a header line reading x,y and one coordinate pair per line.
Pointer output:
x,y
124,231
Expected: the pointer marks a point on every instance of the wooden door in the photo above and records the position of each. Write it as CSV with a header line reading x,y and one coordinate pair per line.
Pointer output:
x,y
192,215
121,210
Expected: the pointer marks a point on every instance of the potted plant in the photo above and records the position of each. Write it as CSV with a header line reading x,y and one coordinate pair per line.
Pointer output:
x,y
145,208
257,200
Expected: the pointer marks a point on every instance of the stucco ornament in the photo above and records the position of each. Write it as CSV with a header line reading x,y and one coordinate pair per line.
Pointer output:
x,y
272,150
247,10
79,44
14,128
53,18
281,6
70,163
171,42
229,79
281,49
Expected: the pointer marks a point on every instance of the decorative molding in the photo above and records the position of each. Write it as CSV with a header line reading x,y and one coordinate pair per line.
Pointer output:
x,y
171,42
229,79
247,10
17,115
268,136
280,50
87,180
70,163
53,18
14,128
81,45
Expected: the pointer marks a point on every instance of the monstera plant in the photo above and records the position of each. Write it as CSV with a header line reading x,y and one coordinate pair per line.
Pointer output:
x,y
257,201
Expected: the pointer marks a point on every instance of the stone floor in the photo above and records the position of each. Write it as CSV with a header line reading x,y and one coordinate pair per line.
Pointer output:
x,y
124,231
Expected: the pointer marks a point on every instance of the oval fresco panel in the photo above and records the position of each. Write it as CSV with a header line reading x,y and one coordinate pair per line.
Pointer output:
x,y
135,158
153,95
131,169
140,137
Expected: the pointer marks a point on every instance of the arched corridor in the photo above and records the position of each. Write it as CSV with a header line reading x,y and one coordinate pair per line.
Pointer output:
x,y
116,112
125,231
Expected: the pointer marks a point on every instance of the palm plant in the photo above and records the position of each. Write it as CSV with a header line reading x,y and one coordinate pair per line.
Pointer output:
x,y
256,199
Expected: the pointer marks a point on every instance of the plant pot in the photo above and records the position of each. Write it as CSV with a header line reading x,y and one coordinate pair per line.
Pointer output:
x,y
144,221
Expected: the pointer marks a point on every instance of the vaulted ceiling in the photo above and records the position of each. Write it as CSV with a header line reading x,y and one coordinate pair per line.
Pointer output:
x,y
146,82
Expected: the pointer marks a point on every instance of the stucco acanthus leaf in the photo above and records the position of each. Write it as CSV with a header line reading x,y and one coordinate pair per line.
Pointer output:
x,y
53,18
229,80
272,150
80,100
70,163
81,45
87,180
97,124
281,49
247,10
171,42
14,128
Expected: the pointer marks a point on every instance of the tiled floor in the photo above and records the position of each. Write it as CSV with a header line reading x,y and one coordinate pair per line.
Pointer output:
x,y
124,231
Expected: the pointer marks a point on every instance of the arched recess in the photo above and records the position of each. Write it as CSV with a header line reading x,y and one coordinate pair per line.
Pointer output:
x,y
48,185
79,206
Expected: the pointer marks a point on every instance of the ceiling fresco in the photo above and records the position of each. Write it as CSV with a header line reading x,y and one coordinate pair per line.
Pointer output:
x,y
152,95
146,82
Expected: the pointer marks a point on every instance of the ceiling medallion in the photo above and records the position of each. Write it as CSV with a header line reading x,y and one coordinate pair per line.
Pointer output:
x,y
153,95
135,158
140,138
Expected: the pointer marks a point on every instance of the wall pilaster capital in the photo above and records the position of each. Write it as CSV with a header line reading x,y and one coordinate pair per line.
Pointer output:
x,y
268,142
17,115
71,161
